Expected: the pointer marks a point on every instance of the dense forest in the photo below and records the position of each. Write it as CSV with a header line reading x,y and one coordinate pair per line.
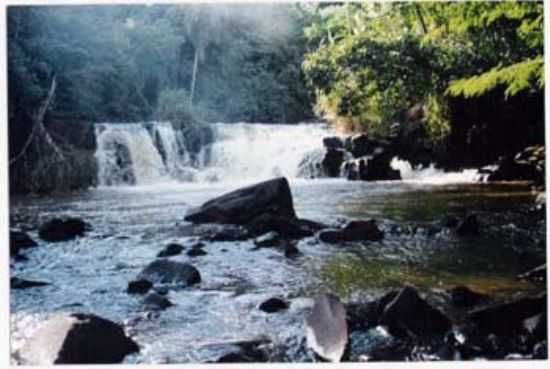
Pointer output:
x,y
460,76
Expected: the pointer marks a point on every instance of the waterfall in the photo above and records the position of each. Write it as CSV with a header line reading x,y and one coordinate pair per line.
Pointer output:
x,y
126,154
432,175
144,153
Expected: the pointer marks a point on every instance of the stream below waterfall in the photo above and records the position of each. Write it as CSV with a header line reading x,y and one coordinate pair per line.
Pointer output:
x,y
132,223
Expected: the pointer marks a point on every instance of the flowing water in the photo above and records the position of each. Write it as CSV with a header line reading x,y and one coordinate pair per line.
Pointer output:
x,y
132,223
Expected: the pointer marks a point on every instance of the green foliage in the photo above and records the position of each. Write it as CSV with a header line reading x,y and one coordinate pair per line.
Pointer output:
x,y
516,77
113,62
173,105
371,62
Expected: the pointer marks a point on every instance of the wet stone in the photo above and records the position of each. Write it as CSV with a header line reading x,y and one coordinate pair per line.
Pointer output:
x,y
273,305
140,286
171,250
154,301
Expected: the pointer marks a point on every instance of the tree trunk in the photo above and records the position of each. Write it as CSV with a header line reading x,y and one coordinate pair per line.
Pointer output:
x,y
194,76
421,18
39,134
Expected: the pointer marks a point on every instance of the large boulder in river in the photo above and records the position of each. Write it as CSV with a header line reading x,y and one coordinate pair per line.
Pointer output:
x,y
408,315
272,197
18,241
77,339
326,328
170,272
58,229
508,318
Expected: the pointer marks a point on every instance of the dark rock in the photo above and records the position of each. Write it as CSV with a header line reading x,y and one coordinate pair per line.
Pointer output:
x,y
17,283
450,221
537,326
469,226
19,241
288,228
77,339
356,230
268,239
326,328
526,165
379,168
537,275
333,142
332,161
57,229
196,251
246,352
361,316
508,319
360,145
140,286
462,296
171,250
291,251
215,232
540,351
170,272
271,197
409,315
154,301
273,305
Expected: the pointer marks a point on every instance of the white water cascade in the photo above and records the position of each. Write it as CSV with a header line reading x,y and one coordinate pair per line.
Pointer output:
x,y
144,153
432,175
153,152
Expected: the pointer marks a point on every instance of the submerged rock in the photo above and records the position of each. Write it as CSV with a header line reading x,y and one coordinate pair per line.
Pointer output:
x,y
291,251
273,305
171,250
271,197
19,241
290,228
57,229
155,301
77,339
469,226
356,230
139,286
326,328
408,315
170,272
196,251
462,296
18,283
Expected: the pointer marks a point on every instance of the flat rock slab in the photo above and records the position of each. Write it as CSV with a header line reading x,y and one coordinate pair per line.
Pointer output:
x,y
242,205
170,272
77,339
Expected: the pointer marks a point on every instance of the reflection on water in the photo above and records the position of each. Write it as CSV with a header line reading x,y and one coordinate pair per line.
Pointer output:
x,y
131,224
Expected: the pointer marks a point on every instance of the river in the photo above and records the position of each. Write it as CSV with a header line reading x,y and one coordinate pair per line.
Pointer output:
x,y
132,223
